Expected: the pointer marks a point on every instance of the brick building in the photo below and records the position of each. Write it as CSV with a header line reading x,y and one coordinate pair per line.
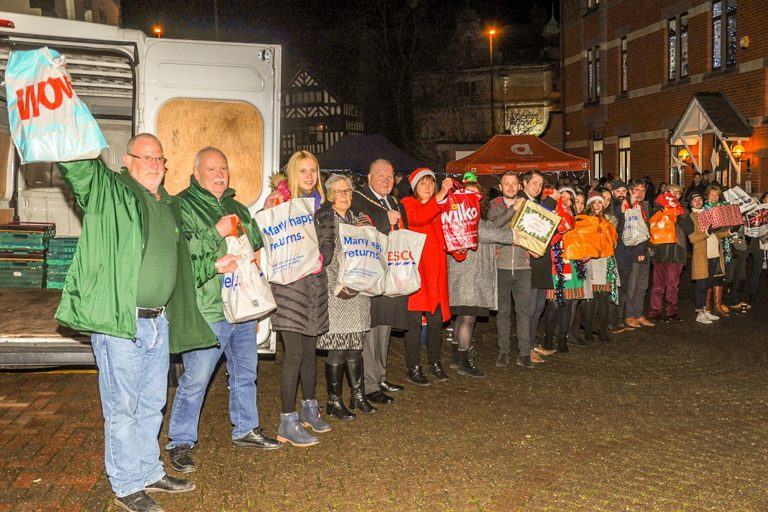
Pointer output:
x,y
644,80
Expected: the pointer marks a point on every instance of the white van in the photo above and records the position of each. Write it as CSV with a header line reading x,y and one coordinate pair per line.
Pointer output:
x,y
191,94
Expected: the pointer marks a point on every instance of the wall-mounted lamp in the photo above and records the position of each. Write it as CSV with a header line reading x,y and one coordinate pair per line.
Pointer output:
x,y
738,151
685,156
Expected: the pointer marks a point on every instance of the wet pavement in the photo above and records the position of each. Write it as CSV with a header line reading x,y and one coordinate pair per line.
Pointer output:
x,y
673,417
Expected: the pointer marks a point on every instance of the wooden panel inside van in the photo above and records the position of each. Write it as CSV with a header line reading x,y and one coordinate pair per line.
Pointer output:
x,y
5,146
185,126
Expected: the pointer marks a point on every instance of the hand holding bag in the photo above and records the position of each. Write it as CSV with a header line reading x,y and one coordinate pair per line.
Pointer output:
x,y
290,240
48,122
245,293
635,231
663,227
460,219
362,260
404,248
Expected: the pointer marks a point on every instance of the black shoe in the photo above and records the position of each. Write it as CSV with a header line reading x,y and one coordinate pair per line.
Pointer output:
x,y
171,485
139,501
388,387
525,362
576,342
378,397
256,439
415,375
181,459
674,318
658,319
502,360
436,369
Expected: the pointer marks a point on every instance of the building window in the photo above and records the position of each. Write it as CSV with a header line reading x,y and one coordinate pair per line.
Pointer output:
x,y
717,34
597,72
624,159
730,27
590,75
721,24
684,45
623,64
597,158
672,48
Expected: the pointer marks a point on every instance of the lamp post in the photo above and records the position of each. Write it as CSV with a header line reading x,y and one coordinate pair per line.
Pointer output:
x,y
491,33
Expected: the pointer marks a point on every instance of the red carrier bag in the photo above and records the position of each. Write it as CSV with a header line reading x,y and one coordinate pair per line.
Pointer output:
x,y
460,219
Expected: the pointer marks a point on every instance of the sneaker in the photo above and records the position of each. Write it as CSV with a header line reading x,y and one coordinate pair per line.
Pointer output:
x,y
139,501
702,318
711,316
503,359
524,362
181,459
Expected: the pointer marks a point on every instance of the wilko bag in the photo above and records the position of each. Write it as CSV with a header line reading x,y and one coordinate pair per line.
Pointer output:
x,y
290,240
363,260
404,249
745,202
49,123
460,219
245,293
635,231
663,227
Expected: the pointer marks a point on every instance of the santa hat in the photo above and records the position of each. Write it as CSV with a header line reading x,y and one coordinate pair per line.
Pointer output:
x,y
419,173
594,196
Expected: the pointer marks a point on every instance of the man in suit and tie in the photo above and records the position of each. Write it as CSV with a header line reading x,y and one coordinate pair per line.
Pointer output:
x,y
387,313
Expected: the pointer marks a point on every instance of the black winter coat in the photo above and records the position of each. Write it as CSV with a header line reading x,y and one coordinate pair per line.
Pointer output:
x,y
302,306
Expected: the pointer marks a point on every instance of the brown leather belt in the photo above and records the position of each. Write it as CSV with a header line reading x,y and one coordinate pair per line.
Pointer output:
x,y
149,312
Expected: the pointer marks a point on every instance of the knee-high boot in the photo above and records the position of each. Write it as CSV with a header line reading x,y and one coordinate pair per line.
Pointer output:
x,y
588,310
335,405
358,400
720,308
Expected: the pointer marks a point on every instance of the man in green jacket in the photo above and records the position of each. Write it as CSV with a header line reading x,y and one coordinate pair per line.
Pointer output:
x,y
130,279
209,213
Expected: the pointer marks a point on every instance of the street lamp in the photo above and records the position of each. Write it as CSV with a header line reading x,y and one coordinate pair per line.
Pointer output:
x,y
158,31
491,33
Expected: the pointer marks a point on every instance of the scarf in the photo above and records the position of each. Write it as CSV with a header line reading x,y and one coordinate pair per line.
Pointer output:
x,y
667,200
566,217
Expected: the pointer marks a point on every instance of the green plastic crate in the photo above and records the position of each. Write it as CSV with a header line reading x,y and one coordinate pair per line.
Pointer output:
x,y
12,240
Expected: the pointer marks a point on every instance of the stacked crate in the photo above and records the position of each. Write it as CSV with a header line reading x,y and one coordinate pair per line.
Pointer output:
x,y
22,254
61,250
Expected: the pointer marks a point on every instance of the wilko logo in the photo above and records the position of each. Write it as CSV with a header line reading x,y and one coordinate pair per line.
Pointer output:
x,y
49,93
459,213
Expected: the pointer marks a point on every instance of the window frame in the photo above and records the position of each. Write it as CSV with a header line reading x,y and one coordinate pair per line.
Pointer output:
x,y
624,82
597,158
625,157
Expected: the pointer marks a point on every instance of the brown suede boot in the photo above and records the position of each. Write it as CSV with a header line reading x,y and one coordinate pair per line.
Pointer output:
x,y
720,308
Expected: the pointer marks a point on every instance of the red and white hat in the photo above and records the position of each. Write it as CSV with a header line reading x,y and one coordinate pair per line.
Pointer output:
x,y
594,196
419,173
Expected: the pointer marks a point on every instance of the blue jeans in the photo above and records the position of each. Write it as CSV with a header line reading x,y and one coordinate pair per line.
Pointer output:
x,y
238,344
133,382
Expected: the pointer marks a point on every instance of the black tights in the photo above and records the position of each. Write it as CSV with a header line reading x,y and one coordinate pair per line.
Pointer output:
x,y
462,330
299,361
338,357
413,337
597,307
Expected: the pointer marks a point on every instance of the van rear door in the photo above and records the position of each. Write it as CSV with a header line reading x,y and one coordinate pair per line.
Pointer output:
x,y
195,94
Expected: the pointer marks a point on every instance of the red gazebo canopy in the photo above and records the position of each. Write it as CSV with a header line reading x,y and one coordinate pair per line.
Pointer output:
x,y
520,153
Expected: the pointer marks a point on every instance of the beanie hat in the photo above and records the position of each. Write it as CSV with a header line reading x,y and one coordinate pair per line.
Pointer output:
x,y
594,196
617,184
419,173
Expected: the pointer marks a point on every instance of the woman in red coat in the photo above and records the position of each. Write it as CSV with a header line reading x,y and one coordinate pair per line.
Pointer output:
x,y
423,211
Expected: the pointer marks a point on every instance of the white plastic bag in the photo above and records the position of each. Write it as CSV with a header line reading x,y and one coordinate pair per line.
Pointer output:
x,y
290,240
362,259
49,123
245,292
404,249
635,229
745,202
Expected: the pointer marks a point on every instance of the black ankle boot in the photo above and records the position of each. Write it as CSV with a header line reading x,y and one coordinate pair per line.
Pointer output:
x,y
358,400
335,405
436,369
562,345
416,376
468,366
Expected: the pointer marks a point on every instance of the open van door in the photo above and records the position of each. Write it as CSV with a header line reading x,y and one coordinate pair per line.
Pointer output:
x,y
227,95
196,94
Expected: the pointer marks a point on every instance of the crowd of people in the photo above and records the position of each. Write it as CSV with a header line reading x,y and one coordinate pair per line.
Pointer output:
x,y
147,279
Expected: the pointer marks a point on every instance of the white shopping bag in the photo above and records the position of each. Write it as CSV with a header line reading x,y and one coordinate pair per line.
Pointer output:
x,y
49,123
245,292
635,229
363,259
290,240
404,248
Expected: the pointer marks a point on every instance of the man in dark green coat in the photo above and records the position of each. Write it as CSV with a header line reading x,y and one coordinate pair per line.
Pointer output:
x,y
208,209
130,279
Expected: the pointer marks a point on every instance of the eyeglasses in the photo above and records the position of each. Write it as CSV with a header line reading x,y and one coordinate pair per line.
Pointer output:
x,y
346,192
150,159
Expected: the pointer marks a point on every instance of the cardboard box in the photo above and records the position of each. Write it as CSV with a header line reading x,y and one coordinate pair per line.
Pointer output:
x,y
535,226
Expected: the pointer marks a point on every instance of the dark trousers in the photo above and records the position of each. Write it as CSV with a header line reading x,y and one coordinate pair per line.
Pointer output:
x,y
514,286
735,278
596,308
666,281
298,363
757,269
413,337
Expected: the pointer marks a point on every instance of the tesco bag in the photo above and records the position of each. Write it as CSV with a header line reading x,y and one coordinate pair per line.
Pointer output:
x,y
404,248
48,122
363,259
290,240
460,219
245,292
635,231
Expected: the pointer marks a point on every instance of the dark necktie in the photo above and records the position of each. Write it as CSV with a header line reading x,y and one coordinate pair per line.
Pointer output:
x,y
383,202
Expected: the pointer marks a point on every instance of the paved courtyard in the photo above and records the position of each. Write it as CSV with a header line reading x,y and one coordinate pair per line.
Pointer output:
x,y
667,418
